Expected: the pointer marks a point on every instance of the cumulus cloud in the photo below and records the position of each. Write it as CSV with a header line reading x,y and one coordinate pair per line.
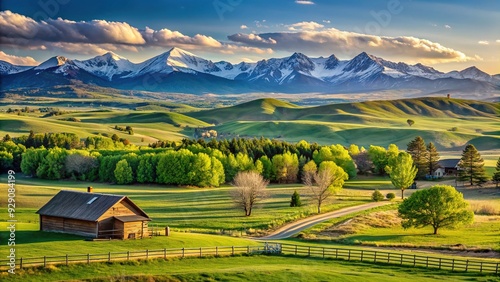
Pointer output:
x,y
98,36
447,26
243,26
304,2
483,42
15,60
305,26
346,43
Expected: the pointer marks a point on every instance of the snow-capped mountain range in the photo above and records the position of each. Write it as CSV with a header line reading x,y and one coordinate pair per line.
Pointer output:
x,y
180,71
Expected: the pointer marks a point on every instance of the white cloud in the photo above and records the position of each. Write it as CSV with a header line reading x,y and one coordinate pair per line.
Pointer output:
x,y
483,42
98,36
304,2
447,26
15,60
346,43
305,26
326,21
243,26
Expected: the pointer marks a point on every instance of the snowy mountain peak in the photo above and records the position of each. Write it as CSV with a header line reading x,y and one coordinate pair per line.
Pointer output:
x,y
53,62
331,63
106,65
476,74
8,68
298,62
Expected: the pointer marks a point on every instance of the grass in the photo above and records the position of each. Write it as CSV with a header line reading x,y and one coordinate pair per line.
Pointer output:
x,y
242,268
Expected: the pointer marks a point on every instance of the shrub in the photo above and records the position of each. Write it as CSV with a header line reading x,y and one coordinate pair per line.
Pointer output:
x,y
390,196
295,202
377,196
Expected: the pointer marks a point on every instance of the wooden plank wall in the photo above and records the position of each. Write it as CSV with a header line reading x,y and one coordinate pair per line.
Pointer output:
x,y
66,225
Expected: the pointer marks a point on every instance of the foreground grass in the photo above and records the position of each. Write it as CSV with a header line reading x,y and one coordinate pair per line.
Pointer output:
x,y
241,268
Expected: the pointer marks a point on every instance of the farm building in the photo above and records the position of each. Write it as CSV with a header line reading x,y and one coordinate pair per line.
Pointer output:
x,y
94,215
449,166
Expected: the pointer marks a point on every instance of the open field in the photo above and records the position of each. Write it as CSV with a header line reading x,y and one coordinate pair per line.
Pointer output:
x,y
243,268
449,123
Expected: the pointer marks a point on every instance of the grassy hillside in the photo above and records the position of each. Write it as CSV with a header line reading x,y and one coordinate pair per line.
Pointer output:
x,y
450,123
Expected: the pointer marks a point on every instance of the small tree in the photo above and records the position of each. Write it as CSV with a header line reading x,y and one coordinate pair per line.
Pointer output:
x,y
402,172
390,196
418,151
496,175
410,122
250,188
123,172
295,202
377,196
325,183
472,166
440,206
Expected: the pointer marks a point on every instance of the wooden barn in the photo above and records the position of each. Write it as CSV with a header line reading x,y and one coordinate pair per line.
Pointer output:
x,y
94,215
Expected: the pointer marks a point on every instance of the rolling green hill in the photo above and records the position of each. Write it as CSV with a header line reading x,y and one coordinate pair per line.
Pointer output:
x,y
450,123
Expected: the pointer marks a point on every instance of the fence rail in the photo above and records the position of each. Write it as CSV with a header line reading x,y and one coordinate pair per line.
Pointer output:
x,y
373,256
369,256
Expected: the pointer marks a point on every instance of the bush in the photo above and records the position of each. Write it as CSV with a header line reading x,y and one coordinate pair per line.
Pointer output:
x,y
377,196
295,202
390,196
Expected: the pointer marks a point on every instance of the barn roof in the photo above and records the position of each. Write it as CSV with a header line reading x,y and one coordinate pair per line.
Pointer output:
x,y
449,162
131,218
82,205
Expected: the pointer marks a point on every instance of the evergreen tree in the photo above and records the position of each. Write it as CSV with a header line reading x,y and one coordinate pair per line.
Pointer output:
x,y
472,166
496,176
433,157
418,151
295,202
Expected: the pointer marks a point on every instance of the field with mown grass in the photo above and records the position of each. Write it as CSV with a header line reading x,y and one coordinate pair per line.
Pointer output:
x,y
242,268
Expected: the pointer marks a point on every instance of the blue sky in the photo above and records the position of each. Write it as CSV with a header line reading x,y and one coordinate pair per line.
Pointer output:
x,y
444,34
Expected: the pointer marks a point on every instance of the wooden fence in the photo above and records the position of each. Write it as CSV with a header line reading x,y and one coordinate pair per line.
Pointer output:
x,y
372,256
367,256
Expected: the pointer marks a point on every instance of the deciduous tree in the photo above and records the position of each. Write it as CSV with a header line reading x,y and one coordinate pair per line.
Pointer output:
x,y
123,172
325,183
440,206
402,172
249,189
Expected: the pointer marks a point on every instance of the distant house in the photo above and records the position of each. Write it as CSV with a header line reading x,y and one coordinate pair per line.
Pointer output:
x,y
439,172
449,166
94,215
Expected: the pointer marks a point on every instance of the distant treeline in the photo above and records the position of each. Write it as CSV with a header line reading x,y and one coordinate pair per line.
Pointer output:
x,y
189,162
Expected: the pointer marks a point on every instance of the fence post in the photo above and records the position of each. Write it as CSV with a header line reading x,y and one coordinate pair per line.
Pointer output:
x,y
439,263
248,249
496,270
427,262
481,267
232,250
21,264
309,252
109,256
182,252
66,259
414,260
200,253
401,261
349,257
453,265
361,255
147,254
216,251
44,261
336,253
128,255
323,252
164,253
466,265
295,249
375,257
388,257
88,258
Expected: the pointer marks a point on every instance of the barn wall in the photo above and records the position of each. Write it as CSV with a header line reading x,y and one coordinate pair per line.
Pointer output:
x,y
133,229
66,225
118,209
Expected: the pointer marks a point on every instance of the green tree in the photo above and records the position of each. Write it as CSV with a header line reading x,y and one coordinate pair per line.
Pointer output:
x,y
440,206
6,161
31,160
433,157
123,172
285,167
267,167
146,170
309,169
378,156
353,150
402,172
418,151
295,201
496,175
52,166
410,122
471,166
377,196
